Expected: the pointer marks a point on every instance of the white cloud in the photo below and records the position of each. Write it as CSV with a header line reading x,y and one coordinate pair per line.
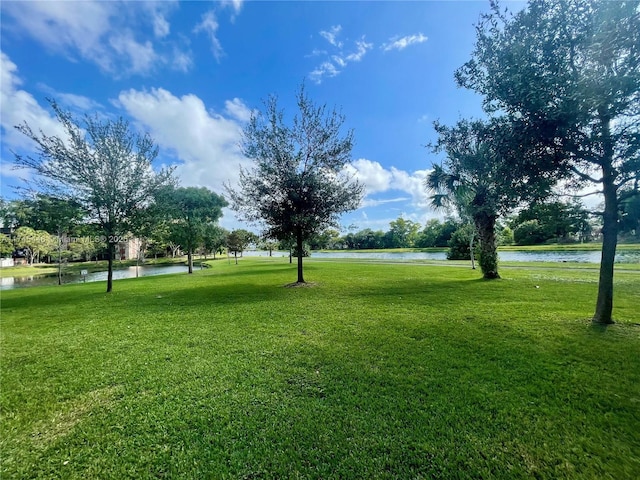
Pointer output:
x,y
331,35
325,69
105,33
362,48
378,179
209,25
396,43
70,100
238,110
19,106
335,62
236,5
207,143
371,202
141,56
373,175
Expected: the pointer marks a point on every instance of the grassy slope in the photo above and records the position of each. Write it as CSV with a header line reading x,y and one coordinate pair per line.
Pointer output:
x,y
380,371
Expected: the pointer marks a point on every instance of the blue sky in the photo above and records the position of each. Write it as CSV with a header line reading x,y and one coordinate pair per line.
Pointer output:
x,y
190,73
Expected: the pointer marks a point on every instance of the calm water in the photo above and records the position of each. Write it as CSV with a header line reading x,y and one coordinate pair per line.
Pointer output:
x,y
628,256
130,272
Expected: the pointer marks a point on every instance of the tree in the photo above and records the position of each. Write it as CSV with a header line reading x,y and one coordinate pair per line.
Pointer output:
x,y
461,243
215,238
238,240
35,243
402,233
569,73
483,178
298,186
558,221
56,215
6,246
84,246
436,233
100,164
189,210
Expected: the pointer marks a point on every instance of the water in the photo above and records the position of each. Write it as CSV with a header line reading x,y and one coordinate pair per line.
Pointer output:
x,y
9,283
580,256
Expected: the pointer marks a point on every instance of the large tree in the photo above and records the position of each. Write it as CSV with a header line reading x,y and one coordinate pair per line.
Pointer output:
x,y
189,210
298,186
569,72
102,165
483,177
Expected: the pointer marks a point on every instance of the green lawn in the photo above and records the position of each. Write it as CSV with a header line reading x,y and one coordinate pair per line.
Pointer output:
x,y
378,371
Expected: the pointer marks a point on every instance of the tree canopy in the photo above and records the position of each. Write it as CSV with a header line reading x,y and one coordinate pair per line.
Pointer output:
x,y
567,73
298,185
188,211
103,166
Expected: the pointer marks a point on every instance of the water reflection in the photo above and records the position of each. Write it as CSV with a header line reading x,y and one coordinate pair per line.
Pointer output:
x,y
9,283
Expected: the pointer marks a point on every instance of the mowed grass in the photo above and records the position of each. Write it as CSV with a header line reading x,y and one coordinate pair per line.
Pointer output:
x,y
377,371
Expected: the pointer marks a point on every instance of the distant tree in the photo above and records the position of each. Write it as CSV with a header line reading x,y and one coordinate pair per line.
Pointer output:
x,y
505,236
57,216
36,243
630,214
402,233
215,239
188,211
84,246
6,246
238,240
557,221
269,245
529,232
100,164
437,233
298,186
568,73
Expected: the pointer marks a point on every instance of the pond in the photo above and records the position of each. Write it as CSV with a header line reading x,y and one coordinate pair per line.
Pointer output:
x,y
581,256
9,283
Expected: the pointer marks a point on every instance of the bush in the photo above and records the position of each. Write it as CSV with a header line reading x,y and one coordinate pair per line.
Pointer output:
x,y
529,233
459,244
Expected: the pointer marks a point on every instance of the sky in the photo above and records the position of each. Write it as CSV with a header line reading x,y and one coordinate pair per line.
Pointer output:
x,y
191,74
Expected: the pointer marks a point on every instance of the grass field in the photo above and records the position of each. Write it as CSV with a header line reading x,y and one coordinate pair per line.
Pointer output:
x,y
377,371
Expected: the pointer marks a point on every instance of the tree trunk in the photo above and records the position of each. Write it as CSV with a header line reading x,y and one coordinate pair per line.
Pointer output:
x,y
190,260
235,255
473,260
486,224
111,249
59,258
300,252
604,303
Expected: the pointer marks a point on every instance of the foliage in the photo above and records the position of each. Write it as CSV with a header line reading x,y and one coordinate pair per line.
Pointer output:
x,y
238,240
84,246
102,166
558,221
214,238
298,186
35,243
6,246
529,232
478,177
460,243
568,74
436,233
402,233
187,211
